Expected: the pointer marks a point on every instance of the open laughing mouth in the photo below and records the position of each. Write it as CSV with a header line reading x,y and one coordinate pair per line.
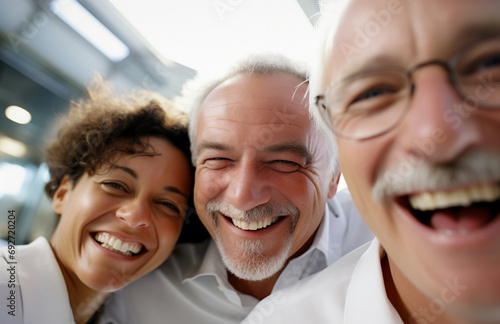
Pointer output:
x,y
458,211
116,245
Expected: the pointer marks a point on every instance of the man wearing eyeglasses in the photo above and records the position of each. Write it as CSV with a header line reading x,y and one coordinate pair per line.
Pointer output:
x,y
412,91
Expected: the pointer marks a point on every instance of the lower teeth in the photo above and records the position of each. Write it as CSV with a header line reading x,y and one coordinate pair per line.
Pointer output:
x,y
109,247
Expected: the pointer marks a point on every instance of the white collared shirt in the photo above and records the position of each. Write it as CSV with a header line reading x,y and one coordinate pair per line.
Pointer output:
x,y
351,291
39,291
192,285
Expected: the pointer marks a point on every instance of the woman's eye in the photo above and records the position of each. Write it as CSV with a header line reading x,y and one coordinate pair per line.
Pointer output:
x,y
285,166
171,206
114,186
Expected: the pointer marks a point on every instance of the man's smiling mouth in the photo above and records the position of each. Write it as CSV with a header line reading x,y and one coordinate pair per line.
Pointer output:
x,y
457,211
256,225
116,245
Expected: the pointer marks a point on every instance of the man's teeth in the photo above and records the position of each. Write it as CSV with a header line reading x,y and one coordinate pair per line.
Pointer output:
x,y
461,197
253,226
116,245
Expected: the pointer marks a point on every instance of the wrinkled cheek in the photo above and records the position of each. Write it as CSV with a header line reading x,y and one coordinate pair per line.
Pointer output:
x,y
206,188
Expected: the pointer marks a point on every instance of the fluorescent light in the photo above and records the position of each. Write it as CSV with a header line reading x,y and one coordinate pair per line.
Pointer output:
x,y
90,28
12,147
18,114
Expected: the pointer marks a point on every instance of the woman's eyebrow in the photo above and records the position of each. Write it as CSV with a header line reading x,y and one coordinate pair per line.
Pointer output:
x,y
135,176
175,190
125,169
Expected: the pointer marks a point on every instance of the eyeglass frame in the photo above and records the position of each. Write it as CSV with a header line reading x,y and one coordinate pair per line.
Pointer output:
x,y
448,65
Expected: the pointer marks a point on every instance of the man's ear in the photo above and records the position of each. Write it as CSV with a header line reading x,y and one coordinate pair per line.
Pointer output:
x,y
332,187
58,199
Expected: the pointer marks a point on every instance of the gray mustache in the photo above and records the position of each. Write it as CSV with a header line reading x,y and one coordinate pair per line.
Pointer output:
x,y
421,175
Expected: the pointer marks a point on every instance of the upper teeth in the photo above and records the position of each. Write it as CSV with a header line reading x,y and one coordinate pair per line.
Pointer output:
x,y
114,244
460,197
253,226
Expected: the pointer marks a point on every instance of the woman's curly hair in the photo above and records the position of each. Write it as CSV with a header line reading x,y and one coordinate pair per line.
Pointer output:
x,y
100,126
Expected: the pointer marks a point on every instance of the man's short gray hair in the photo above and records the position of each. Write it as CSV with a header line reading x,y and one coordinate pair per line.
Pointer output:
x,y
197,89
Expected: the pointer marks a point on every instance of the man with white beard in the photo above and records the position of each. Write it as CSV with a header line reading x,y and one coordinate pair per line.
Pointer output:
x,y
265,182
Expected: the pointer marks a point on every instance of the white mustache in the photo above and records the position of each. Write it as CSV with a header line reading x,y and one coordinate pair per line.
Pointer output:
x,y
266,210
407,178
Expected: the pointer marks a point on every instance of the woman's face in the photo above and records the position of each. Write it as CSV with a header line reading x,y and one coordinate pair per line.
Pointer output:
x,y
123,221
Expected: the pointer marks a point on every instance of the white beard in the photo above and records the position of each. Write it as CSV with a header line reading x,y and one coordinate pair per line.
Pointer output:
x,y
248,261
251,264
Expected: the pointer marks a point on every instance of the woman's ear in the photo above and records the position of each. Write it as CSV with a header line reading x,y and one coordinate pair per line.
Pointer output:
x,y
61,193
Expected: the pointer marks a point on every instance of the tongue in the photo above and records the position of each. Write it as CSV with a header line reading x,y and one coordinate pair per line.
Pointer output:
x,y
462,219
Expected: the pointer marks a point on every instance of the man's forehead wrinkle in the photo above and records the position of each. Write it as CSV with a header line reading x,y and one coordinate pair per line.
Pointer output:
x,y
286,114
228,90
274,127
283,119
212,145
255,104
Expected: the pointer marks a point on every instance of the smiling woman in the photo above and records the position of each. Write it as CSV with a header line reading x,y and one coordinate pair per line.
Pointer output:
x,y
121,183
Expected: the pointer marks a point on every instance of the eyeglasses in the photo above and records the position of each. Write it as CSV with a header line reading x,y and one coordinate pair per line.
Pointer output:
x,y
372,102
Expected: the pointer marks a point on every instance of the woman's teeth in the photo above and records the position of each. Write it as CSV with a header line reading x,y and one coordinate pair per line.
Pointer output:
x,y
456,198
116,245
253,226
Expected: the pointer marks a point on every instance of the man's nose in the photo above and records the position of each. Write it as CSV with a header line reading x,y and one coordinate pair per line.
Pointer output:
x,y
439,125
247,186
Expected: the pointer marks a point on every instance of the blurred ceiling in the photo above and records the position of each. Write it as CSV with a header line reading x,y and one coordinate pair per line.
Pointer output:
x,y
44,63
207,34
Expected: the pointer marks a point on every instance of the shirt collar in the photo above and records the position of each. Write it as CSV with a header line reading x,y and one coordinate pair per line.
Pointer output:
x,y
324,240
213,267
368,277
322,252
